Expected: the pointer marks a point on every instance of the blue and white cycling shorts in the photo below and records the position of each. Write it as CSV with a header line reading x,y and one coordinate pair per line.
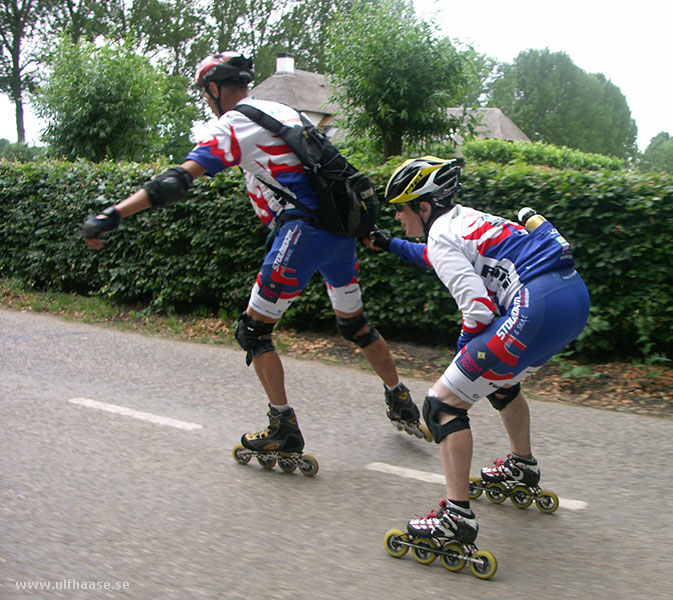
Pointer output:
x,y
298,251
548,313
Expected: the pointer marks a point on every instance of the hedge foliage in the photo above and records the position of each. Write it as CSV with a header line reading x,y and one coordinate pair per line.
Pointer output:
x,y
537,153
203,254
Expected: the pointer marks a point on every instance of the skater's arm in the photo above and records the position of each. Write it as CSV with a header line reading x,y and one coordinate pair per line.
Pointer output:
x,y
467,288
406,251
165,189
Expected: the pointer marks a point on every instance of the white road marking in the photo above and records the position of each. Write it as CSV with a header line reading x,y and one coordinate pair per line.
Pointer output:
x,y
439,478
404,472
572,504
136,414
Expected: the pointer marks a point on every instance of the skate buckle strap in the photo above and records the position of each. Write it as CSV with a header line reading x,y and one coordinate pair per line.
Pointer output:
x,y
257,435
433,513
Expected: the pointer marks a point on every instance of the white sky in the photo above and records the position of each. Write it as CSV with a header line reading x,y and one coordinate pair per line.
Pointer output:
x,y
630,43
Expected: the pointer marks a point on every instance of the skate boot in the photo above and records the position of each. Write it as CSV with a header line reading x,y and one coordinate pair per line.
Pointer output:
x,y
515,478
281,442
449,533
403,413
513,470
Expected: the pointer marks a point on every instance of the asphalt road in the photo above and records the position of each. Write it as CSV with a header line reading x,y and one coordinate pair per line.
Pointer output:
x,y
153,508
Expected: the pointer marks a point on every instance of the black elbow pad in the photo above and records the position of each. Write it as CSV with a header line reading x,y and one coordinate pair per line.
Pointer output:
x,y
168,187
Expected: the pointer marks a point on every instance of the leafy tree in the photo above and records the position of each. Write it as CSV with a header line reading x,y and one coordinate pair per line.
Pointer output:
x,y
248,26
555,102
302,31
174,33
264,28
173,30
392,76
226,16
179,113
85,19
20,152
478,70
19,20
102,102
658,156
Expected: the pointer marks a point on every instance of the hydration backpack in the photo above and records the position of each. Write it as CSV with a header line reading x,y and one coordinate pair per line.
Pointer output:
x,y
348,202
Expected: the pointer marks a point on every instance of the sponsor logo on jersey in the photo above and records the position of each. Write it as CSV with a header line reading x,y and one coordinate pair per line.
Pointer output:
x,y
497,273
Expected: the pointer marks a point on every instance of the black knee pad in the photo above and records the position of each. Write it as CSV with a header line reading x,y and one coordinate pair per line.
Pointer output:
x,y
253,336
349,328
502,397
432,407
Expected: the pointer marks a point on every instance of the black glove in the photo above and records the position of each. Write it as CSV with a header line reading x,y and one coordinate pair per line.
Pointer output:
x,y
382,239
94,227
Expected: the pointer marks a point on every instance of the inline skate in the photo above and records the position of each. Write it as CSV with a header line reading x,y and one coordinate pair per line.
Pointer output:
x,y
281,442
514,478
403,413
448,533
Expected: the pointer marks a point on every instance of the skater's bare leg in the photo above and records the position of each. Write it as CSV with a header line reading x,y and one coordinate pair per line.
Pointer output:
x,y
516,418
377,354
455,449
269,368
270,372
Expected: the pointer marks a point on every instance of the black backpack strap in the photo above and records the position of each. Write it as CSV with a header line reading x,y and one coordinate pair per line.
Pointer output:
x,y
277,128
260,117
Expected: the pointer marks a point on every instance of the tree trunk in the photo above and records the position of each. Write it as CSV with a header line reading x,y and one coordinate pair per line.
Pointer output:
x,y
18,111
392,143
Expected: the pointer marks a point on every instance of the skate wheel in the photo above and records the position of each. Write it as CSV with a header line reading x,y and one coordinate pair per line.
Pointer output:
x,y
308,465
475,491
241,454
393,545
426,433
424,554
521,497
286,464
496,492
453,560
268,462
547,502
486,565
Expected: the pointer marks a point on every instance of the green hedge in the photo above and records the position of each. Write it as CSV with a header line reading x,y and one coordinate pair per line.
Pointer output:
x,y
537,153
203,254
200,253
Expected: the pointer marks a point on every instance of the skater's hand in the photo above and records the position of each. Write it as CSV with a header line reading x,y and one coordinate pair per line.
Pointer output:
x,y
94,243
96,226
379,239
463,339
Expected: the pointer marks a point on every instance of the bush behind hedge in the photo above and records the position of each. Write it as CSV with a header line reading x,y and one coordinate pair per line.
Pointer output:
x,y
538,153
203,254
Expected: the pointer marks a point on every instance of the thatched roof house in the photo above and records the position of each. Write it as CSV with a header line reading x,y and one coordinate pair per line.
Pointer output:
x,y
303,90
493,124
309,92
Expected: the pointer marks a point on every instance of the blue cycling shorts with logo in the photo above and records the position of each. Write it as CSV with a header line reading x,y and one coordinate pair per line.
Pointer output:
x,y
547,314
298,251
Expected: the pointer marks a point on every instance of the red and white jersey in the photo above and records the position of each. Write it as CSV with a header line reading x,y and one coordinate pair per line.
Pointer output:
x,y
484,260
236,141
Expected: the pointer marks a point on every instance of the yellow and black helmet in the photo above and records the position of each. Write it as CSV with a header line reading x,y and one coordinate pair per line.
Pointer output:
x,y
429,178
